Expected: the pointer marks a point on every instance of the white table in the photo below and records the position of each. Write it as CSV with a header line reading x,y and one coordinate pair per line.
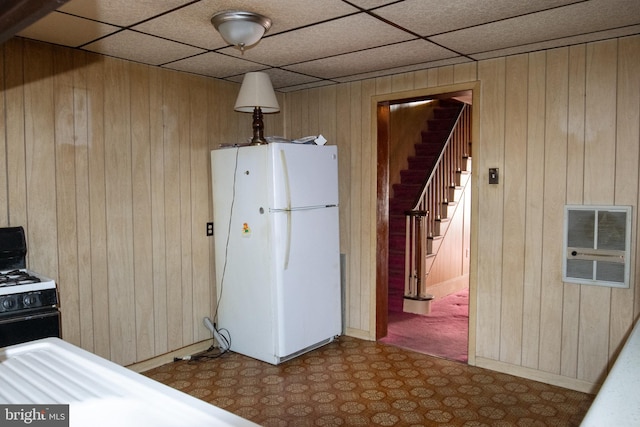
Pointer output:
x,y
99,392
618,400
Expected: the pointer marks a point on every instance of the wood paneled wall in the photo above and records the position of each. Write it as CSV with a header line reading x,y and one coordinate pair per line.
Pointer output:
x,y
106,165
562,126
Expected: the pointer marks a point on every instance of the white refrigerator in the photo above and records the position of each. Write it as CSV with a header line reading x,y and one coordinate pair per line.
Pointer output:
x,y
277,253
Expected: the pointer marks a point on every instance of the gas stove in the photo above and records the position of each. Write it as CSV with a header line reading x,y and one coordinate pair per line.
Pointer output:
x,y
23,289
28,301
23,280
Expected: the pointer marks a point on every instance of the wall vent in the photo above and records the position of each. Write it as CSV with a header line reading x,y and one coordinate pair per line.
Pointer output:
x,y
597,242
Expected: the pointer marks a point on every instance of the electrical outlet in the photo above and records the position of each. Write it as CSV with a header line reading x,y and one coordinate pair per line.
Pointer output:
x,y
209,229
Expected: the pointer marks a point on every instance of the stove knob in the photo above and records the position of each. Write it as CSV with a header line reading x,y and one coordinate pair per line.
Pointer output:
x,y
29,300
8,303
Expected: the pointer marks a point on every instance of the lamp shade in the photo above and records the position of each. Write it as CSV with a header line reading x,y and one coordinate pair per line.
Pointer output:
x,y
257,91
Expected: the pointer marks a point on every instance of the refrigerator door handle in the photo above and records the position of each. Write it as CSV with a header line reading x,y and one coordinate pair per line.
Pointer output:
x,y
287,237
287,250
287,191
285,175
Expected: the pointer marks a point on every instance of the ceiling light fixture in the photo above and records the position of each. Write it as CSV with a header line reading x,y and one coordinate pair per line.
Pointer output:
x,y
239,28
256,95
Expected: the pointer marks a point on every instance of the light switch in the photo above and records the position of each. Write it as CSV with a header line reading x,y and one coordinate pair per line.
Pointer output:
x,y
493,176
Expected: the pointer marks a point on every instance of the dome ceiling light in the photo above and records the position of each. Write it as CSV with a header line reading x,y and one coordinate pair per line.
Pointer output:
x,y
241,29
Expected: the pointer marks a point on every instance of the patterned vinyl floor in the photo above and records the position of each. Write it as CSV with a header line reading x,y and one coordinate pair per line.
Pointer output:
x,y
351,382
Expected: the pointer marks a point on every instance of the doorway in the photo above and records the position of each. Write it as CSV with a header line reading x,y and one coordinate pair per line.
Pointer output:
x,y
443,329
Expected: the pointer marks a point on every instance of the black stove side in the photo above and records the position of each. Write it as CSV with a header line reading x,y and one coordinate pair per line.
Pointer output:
x,y
13,248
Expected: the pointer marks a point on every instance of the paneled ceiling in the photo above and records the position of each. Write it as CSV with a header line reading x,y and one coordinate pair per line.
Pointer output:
x,y
320,42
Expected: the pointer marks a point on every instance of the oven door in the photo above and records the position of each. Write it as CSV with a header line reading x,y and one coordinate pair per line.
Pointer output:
x,y
21,328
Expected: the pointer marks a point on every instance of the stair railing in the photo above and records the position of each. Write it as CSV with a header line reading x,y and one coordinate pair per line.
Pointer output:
x,y
427,211
415,252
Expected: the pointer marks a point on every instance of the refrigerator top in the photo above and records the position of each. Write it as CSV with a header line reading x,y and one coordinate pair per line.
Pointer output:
x,y
303,176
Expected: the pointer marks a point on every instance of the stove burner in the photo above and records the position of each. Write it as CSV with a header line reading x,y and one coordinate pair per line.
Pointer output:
x,y
17,277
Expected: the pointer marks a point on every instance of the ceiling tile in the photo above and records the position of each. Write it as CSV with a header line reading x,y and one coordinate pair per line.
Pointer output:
x,y
282,78
120,12
142,48
285,15
318,83
370,4
214,65
429,17
576,19
566,41
335,37
374,59
194,26
315,42
406,69
66,30
195,20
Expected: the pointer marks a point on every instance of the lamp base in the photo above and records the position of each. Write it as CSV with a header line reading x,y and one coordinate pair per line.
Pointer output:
x,y
258,128
255,141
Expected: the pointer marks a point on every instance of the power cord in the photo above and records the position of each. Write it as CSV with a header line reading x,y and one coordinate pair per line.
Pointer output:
x,y
224,342
212,352
221,336
226,246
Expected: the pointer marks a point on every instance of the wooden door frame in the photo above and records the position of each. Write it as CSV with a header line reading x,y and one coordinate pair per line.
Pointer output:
x,y
380,132
382,218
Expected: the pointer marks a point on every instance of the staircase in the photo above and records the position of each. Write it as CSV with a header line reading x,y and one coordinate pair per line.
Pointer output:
x,y
406,196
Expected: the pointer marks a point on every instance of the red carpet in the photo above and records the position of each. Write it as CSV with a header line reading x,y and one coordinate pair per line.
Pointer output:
x,y
443,333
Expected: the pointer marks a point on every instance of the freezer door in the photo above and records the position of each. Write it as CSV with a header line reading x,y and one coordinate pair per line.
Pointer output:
x,y
303,175
307,269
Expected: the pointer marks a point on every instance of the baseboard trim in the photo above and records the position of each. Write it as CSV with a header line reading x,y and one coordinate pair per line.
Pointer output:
x,y
535,375
163,359
359,333
448,287
198,347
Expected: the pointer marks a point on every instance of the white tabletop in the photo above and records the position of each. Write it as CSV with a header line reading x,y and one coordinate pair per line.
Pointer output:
x,y
618,401
99,392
